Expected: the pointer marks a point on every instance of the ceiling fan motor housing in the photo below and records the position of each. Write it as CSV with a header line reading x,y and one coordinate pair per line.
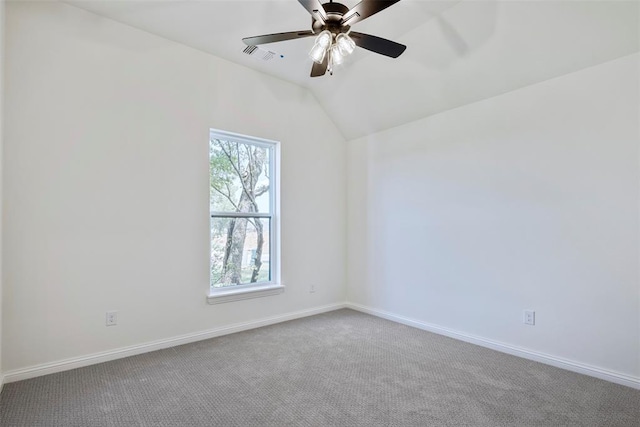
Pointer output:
x,y
334,13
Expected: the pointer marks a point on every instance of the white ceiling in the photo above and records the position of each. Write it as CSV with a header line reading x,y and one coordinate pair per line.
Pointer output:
x,y
458,51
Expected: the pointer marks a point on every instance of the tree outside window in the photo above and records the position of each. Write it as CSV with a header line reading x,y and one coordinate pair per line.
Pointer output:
x,y
242,204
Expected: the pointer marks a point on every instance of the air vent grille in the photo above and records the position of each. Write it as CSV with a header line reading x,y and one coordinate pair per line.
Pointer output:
x,y
250,49
258,53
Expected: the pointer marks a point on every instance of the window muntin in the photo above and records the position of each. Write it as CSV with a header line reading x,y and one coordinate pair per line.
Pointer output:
x,y
242,178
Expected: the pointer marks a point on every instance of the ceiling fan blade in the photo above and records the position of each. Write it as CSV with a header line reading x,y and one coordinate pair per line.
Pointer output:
x,y
277,37
314,7
320,69
377,44
365,9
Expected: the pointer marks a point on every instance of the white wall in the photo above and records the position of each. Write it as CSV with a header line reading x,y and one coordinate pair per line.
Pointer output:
x,y
106,186
528,200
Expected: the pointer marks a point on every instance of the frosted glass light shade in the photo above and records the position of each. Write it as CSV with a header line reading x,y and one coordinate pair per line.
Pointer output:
x,y
345,43
318,53
324,39
337,57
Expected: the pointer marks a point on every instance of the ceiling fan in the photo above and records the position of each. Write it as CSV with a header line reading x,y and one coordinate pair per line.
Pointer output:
x,y
331,24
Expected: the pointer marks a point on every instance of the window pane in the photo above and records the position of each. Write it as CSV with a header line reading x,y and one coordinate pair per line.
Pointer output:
x,y
240,177
240,251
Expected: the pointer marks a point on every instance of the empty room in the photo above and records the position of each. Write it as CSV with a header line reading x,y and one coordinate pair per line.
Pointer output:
x,y
319,213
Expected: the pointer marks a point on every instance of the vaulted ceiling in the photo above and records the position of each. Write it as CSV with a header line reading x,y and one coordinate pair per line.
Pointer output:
x,y
458,52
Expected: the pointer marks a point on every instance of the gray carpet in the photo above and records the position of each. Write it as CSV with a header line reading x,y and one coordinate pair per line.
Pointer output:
x,y
342,368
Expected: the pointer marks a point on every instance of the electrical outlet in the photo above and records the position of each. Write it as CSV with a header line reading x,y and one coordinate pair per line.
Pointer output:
x,y
529,317
111,318
312,288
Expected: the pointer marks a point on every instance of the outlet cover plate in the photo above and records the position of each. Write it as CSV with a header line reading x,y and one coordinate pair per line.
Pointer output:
x,y
111,318
529,317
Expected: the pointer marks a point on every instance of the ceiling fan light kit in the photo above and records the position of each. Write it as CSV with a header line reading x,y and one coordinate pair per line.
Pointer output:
x,y
331,24
336,49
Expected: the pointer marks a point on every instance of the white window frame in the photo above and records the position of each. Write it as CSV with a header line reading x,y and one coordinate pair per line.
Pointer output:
x,y
273,286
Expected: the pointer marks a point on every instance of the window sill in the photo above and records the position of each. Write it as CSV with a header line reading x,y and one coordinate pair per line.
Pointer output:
x,y
219,297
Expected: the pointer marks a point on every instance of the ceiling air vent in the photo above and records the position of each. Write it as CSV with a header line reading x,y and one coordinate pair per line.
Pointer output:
x,y
258,53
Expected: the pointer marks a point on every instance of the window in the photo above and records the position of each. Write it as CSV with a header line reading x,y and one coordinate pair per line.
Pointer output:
x,y
243,194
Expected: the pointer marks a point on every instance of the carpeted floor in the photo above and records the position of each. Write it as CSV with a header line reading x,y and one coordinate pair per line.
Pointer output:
x,y
342,368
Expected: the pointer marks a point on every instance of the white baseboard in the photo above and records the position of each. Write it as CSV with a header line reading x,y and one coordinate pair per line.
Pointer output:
x,y
92,359
569,365
78,362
